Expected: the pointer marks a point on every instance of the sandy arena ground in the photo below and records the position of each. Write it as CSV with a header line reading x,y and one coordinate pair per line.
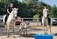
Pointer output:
x,y
34,30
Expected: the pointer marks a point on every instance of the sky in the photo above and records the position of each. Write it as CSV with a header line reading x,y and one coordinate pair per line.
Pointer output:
x,y
20,0
50,2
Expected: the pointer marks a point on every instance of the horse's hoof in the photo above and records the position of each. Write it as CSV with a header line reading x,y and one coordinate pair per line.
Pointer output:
x,y
14,37
8,36
19,36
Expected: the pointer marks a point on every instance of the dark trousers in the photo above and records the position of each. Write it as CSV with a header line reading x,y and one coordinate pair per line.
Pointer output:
x,y
6,18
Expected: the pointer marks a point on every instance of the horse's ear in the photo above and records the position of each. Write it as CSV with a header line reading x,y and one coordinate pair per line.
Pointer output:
x,y
17,8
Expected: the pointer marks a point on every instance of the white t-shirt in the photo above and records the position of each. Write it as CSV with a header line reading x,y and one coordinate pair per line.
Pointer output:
x,y
45,12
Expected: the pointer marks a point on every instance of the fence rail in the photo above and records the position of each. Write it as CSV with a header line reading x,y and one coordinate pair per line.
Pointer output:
x,y
32,20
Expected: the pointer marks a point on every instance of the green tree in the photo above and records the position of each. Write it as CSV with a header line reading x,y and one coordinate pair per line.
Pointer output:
x,y
53,12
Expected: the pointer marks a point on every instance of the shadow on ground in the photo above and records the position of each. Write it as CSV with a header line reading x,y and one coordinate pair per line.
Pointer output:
x,y
27,35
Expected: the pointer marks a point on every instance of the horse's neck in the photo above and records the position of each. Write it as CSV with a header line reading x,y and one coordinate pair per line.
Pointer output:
x,y
11,16
24,24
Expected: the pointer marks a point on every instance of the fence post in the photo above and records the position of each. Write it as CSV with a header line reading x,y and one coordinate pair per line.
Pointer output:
x,y
22,19
37,21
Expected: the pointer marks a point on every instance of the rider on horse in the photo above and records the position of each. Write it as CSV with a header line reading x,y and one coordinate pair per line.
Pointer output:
x,y
45,14
9,9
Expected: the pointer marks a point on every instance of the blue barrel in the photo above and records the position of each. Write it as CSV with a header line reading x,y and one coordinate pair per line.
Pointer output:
x,y
43,36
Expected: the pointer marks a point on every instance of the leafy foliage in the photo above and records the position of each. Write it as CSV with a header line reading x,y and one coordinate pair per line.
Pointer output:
x,y
28,10
53,12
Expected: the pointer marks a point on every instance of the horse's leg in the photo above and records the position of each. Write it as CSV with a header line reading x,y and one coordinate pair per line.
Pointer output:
x,y
20,30
49,29
46,25
13,26
13,29
25,30
6,29
43,24
49,24
8,26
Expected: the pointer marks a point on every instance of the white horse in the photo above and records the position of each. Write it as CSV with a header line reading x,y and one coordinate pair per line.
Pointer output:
x,y
44,20
11,19
23,27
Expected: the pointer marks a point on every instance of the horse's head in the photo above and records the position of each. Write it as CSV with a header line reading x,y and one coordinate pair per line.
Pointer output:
x,y
14,12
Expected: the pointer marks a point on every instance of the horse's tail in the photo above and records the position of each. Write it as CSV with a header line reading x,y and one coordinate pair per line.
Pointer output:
x,y
4,19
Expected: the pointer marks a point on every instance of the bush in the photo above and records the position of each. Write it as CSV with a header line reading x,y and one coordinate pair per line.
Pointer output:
x,y
2,8
36,16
